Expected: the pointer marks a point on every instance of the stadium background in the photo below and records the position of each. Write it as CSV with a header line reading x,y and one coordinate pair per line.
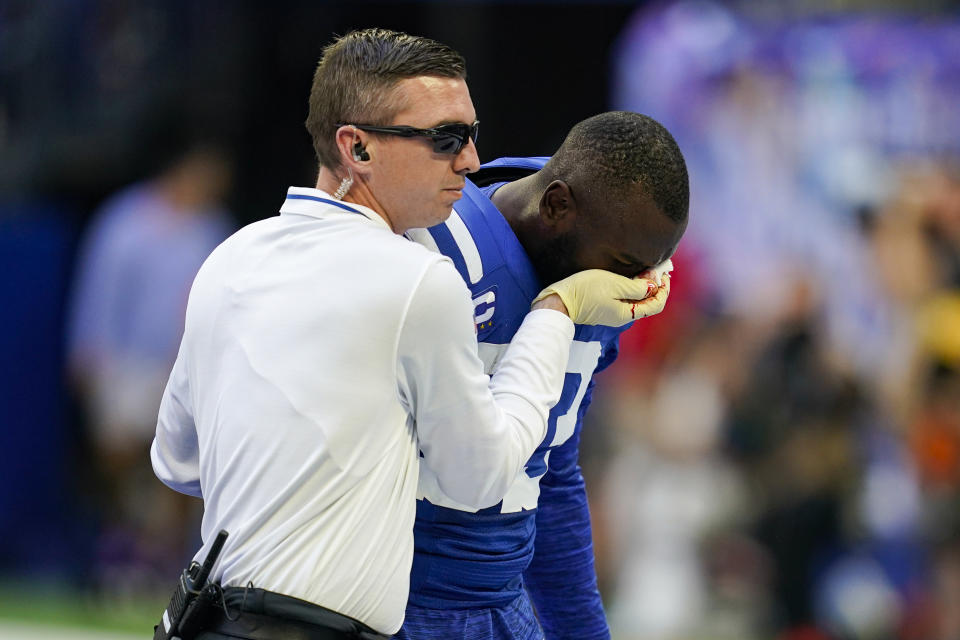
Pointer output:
x,y
776,456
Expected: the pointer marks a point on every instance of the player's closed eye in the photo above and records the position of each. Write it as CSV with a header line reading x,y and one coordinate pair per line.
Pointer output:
x,y
628,267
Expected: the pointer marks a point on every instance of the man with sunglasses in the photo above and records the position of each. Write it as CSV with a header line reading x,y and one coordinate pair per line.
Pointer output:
x,y
614,197
324,353
445,138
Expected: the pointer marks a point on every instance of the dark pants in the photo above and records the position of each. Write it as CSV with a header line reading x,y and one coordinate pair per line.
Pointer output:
x,y
255,614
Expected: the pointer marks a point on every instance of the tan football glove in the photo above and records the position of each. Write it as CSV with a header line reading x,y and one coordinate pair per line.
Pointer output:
x,y
601,297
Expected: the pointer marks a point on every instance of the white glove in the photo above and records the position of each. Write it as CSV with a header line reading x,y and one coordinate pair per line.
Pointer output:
x,y
605,298
657,272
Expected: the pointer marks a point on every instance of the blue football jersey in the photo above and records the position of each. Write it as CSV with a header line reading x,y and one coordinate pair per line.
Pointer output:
x,y
466,558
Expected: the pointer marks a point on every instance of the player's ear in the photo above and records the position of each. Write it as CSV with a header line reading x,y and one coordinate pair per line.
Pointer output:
x,y
558,207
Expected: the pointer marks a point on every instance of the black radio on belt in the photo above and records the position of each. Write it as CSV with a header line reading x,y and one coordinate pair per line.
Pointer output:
x,y
192,599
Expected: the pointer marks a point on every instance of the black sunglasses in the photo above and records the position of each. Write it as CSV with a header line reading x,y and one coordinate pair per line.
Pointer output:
x,y
447,138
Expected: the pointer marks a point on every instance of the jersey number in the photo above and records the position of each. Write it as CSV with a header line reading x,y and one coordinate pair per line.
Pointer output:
x,y
525,492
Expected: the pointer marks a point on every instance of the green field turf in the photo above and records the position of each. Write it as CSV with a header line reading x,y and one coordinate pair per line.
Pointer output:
x,y
62,607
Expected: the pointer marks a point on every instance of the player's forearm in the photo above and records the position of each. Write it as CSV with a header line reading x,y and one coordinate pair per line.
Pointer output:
x,y
561,578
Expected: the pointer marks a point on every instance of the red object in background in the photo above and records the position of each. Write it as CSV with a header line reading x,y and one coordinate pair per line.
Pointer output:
x,y
649,340
935,441
919,619
803,633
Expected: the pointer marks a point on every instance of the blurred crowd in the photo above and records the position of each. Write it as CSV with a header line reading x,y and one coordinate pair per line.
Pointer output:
x,y
133,272
778,454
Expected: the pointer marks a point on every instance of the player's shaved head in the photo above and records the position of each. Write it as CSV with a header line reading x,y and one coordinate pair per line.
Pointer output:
x,y
611,155
356,77
614,196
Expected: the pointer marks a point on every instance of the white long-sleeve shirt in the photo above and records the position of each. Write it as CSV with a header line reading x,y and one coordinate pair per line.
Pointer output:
x,y
321,353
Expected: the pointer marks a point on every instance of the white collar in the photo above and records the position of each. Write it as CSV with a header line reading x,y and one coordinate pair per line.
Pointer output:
x,y
320,204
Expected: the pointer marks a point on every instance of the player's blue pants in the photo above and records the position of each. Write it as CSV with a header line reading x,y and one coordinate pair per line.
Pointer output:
x,y
516,621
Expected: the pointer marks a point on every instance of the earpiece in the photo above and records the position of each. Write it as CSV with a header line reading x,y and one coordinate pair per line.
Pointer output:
x,y
359,153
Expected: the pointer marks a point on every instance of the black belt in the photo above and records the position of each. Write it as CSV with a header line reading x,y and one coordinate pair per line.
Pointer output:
x,y
256,614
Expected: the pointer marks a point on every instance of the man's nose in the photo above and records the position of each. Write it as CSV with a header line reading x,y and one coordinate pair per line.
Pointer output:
x,y
467,161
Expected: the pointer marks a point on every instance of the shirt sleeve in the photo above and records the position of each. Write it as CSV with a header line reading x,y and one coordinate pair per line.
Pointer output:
x,y
561,578
175,452
476,432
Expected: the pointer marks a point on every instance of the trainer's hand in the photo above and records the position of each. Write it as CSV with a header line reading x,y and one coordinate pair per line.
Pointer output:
x,y
601,297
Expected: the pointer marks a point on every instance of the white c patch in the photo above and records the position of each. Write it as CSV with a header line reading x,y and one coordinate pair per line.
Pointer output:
x,y
483,306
